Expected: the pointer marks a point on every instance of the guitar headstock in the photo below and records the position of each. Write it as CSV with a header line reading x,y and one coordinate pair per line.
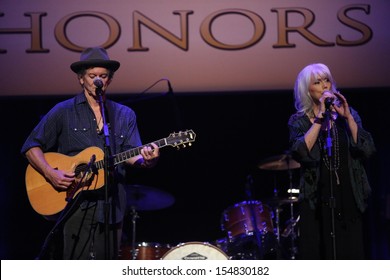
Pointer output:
x,y
181,138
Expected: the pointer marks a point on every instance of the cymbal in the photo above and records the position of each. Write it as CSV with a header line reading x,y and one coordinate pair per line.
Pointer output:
x,y
143,198
280,162
278,201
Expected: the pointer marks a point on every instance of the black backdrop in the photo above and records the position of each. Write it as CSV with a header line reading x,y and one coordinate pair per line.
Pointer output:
x,y
234,132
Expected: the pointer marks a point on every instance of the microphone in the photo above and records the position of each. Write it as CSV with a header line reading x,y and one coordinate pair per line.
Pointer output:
x,y
98,82
99,85
328,101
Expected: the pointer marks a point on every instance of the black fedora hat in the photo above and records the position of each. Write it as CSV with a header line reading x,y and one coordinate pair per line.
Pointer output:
x,y
94,57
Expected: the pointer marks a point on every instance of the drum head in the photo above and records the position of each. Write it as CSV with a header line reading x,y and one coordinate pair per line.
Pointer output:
x,y
195,251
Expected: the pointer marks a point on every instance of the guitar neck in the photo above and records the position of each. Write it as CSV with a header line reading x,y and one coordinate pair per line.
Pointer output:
x,y
123,156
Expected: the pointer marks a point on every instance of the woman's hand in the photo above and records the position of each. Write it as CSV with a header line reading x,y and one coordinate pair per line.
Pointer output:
x,y
325,95
342,108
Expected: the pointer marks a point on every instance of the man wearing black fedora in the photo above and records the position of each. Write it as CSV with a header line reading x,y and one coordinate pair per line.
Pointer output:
x,y
92,223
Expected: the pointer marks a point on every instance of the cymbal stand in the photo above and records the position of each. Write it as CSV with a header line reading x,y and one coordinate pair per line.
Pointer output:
x,y
277,222
293,248
277,217
134,217
277,210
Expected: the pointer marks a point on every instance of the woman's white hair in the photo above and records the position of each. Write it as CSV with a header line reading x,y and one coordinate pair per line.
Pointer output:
x,y
303,99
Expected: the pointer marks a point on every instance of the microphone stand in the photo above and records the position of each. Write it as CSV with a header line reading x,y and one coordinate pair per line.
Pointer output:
x,y
169,94
107,169
332,200
140,96
175,106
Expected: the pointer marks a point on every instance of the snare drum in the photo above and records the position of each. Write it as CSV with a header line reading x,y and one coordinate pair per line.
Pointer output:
x,y
145,251
238,220
195,251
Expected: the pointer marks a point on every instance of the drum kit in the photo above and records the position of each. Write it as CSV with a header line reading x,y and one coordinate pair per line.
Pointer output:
x,y
252,228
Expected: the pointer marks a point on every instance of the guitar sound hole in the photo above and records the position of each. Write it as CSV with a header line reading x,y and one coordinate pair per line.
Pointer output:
x,y
82,173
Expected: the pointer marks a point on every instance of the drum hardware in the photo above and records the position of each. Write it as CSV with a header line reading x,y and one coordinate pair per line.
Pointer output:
x,y
293,236
289,227
276,204
277,224
293,248
283,162
143,198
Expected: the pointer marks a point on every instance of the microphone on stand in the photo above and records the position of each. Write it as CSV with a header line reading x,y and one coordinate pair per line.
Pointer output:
x,y
98,82
328,101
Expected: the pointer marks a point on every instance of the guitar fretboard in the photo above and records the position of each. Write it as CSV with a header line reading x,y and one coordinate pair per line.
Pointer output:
x,y
123,156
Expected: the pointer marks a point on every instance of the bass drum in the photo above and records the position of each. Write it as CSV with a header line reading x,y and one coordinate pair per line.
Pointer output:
x,y
195,251
145,251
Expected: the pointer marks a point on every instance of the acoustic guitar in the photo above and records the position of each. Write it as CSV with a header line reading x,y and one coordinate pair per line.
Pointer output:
x,y
88,165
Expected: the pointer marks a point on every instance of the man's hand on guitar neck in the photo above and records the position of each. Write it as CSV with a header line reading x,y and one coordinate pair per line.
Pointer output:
x,y
150,156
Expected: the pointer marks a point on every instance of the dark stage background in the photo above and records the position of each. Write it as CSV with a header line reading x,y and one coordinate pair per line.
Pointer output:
x,y
234,132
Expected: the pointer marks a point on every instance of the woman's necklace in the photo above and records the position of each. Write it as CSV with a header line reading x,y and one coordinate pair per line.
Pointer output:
x,y
333,161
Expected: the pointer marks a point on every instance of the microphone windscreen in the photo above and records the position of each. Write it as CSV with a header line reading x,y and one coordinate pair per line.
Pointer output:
x,y
98,82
